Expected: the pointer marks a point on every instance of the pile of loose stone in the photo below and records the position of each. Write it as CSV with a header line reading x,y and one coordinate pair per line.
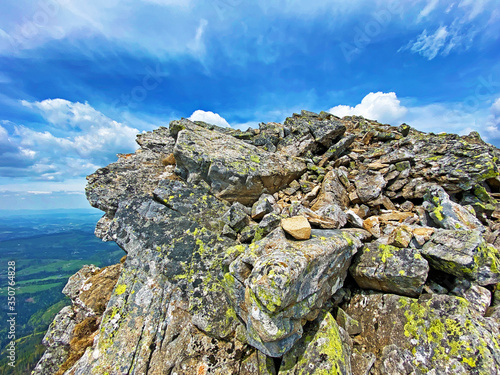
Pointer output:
x,y
336,245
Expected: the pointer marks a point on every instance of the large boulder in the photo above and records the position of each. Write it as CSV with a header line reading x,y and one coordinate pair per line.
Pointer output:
x,y
463,253
234,169
448,214
390,269
324,349
275,284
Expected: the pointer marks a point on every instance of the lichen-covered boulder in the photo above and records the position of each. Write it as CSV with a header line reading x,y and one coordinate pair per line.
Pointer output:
x,y
390,269
448,214
275,284
463,253
234,170
433,333
324,349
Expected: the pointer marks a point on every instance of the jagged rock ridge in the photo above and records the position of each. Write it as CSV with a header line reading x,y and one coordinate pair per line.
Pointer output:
x,y
399,274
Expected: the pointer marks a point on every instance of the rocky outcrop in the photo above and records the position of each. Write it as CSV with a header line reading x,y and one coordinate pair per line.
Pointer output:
x,y
75,326
320,245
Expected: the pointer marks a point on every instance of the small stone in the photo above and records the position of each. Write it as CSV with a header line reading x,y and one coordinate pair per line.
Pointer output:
x,y
423,234
400,237
354,219
350,325
407,206
236,218
298,227
262,207
369,185
169,160
229,232
372,225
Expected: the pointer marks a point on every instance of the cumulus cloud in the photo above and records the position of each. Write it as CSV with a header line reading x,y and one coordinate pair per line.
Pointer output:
x,y
75,141
209,117
383,107
441,117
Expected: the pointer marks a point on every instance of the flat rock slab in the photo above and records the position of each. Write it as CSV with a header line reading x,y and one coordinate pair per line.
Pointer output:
x,y
298,227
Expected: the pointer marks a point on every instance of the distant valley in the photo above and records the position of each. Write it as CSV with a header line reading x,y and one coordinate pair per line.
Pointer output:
x,y
48,247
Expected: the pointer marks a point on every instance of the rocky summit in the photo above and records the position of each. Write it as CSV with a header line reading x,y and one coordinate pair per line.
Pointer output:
x,y
317,246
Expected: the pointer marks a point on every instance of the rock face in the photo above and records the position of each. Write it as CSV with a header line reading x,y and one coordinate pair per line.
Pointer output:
x,y
395,269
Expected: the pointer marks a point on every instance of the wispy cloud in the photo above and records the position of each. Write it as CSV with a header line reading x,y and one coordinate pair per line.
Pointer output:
x,y
460,23
431,5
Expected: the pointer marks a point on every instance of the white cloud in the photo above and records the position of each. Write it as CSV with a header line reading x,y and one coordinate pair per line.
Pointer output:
x,y
431,5
162,27
209,117
452,117
492,130
457,31
383,107
76,140
430,45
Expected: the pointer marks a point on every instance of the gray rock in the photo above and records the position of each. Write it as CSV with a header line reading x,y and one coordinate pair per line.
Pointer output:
x,y
268,223
354,219
369,185
350,325
262,207
234,170
332,191
275,284
390,269
447,214
324,349
337,149
361,363
434,333
236,218
463,253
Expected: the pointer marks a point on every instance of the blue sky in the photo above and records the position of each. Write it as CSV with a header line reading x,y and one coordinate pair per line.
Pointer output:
x,y
78,79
